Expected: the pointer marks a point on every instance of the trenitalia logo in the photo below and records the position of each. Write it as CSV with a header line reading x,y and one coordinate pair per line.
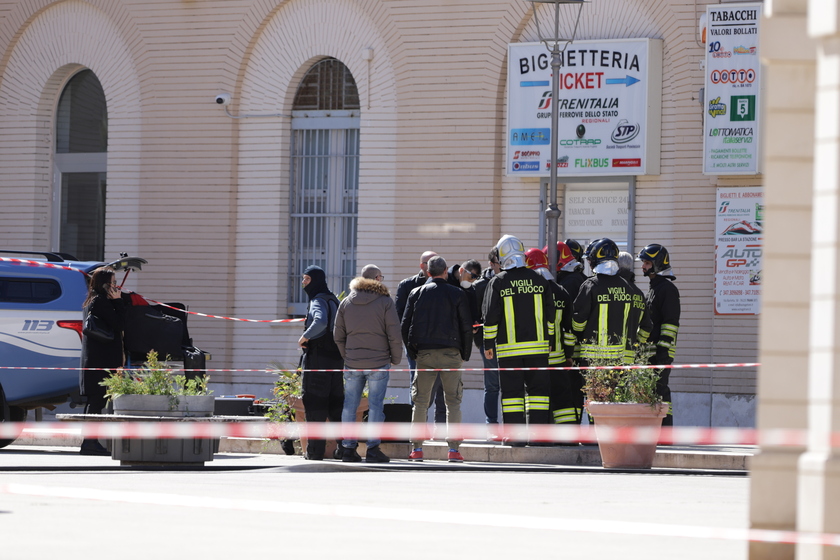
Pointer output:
x,y
545,101
724,206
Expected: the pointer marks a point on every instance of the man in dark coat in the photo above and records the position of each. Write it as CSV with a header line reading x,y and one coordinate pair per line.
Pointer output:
x,y
437,331
323,385
403,290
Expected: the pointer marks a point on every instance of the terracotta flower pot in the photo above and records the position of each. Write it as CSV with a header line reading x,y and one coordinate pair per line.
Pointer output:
x,y
300,416
627,415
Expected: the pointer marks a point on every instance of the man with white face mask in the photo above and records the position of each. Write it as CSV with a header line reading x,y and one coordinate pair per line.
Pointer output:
x,y
464,276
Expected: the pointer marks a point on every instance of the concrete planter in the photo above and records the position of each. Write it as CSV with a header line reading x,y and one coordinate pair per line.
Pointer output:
x,y
627,415
161,405
191,451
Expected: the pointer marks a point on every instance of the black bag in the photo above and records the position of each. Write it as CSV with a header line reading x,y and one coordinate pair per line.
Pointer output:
x,y
96,329
149,328
195,360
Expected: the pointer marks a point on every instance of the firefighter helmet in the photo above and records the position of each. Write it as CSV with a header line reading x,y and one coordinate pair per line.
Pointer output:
x,y
658,257
535,258
567,260
575,248
602,255
511,252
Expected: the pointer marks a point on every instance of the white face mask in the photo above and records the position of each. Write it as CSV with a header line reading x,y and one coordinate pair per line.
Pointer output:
x,y
466,285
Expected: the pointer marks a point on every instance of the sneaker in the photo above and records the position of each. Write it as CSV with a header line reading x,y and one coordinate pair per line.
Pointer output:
x,y
338,453
375,455
416,455
455,457
351,455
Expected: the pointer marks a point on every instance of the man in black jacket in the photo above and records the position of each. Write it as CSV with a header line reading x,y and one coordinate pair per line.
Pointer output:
x,y
437,332
404,288
322,364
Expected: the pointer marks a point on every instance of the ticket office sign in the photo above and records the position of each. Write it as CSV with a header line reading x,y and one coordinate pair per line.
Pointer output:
x,y
739,233
609,109
730,116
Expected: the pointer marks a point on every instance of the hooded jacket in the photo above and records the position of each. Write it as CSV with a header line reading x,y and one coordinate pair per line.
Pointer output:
x,y
367,328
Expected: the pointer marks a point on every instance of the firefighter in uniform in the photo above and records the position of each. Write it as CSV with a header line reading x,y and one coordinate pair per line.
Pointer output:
x,y
518,312
562,397
570,277
663,301
638,322
570,273
603,307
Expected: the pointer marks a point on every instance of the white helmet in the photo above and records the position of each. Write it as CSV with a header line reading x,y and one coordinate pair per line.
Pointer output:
x,y
511,252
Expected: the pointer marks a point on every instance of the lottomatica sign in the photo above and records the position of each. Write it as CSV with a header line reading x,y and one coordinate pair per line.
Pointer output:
x,y
730,124
609,109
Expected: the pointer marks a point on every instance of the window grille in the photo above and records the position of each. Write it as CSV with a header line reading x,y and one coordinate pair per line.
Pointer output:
x,y
325,179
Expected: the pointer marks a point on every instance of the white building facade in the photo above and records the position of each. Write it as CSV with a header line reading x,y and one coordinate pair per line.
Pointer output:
x,y
358,131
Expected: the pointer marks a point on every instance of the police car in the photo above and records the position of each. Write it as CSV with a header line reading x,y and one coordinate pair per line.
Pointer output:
x,y
41,297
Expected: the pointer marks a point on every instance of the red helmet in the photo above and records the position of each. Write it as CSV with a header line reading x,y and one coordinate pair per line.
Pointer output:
x,y
564,255
534,258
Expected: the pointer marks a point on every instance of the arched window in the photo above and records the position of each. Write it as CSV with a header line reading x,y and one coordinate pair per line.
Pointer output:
x,y
325,178
81,145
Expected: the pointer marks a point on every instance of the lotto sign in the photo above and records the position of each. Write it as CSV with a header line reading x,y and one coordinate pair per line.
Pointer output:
x,y
739,222
730,119
608,107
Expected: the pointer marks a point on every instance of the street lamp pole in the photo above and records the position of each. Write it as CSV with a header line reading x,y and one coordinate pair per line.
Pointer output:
x,y
552,43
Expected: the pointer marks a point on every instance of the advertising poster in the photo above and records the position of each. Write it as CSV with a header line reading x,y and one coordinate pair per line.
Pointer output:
x,y
592,214
730,115
609,109
739,235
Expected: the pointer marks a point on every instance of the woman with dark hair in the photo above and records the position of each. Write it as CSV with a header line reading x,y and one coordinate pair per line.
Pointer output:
x,y
104,300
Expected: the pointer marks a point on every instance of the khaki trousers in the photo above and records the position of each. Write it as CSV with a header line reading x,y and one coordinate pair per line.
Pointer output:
x,y
446,359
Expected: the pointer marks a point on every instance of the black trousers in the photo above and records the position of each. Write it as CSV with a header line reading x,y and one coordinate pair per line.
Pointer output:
x,y
566,396
663,390
514,385
323,399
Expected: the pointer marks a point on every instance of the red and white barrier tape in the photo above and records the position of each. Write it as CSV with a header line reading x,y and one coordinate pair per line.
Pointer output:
x,y
224,317
389,431
39,263
275,372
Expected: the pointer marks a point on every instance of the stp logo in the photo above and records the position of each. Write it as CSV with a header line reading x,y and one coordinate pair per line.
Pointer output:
x,y
624,132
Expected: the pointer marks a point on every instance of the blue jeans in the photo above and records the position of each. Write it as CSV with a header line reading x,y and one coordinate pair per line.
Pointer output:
x,y
491,389
354,385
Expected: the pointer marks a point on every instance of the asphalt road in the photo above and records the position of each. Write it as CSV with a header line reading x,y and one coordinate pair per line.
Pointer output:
x,y
55,503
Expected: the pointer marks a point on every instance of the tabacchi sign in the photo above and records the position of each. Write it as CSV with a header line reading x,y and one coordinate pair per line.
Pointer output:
x,y
609,106
730,112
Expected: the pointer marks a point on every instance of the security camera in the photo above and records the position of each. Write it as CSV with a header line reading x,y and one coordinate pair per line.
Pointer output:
x,y
223,99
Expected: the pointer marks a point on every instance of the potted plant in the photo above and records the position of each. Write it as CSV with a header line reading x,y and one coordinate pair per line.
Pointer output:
x,y
288,405
153,390
623,398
